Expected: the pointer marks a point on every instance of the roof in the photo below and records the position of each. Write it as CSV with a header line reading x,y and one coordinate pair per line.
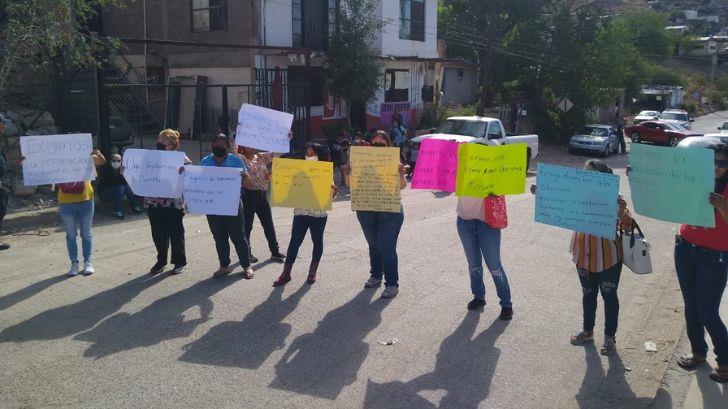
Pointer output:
x,y
472,118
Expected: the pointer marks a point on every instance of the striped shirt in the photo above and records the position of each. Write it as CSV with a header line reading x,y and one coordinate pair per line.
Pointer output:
x,y
596,254
258,173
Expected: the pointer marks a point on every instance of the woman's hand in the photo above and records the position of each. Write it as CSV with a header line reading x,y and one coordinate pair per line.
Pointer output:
x,y
621,208
181,170
334,190
290,135
533,189
718,201
346,170
22,159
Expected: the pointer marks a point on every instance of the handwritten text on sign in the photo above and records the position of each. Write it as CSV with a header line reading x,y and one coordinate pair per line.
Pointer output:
x,y
375,178
437,166
673,184
154,173
212,190
483,170
57,159
263,128
302,184
578,200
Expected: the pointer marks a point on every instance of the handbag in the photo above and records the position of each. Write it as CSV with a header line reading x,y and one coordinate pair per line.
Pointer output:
x,y
72,187
496,214
636,250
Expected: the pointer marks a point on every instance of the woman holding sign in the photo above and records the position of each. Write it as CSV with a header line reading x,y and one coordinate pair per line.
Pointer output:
x,y
381,230
701,263
303,221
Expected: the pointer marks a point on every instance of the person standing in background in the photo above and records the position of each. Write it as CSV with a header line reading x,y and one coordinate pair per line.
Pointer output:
x,y
4,196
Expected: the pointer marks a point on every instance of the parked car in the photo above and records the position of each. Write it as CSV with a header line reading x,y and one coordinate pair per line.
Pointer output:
x,y
595,138
703,141
121,132
723,128
489,131
660,132
646,116
677,116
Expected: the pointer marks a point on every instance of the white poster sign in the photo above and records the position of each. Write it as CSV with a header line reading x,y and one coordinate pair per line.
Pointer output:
x,y
264,129
57,159
212,190
154,173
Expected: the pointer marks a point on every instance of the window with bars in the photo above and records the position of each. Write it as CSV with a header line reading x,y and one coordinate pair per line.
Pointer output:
x,y
209,15
412,20
396,85
313,21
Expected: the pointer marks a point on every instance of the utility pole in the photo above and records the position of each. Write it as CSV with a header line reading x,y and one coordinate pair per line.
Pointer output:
x,y
713,63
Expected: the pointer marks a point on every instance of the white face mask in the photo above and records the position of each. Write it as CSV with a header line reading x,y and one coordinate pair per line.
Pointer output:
x,y
116,165
312,158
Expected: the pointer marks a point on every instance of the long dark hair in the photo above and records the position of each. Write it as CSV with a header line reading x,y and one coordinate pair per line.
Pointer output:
x,y
321,152
721,183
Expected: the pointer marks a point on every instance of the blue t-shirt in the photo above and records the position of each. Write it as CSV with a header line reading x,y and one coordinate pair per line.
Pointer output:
x,y
231,161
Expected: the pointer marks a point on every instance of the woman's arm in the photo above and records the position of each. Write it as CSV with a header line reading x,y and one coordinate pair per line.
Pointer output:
x,y
187,160
402,178
624,216
720,203
99,159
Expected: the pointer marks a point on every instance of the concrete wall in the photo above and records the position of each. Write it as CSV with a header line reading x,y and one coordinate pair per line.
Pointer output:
x,y
459,90
391,45
278,22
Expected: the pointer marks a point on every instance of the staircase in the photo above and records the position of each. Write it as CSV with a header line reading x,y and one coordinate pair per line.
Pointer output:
x,y
132,103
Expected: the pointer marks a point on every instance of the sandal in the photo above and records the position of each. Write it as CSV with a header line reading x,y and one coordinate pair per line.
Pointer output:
x,y
248,273
609,346
690,362
720,374
582,337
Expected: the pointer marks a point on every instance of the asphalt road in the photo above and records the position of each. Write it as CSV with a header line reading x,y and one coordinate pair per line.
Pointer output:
x,y
122,339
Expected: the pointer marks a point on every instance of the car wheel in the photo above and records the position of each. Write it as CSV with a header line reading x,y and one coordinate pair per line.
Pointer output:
x,y
674,141
635,137
606,151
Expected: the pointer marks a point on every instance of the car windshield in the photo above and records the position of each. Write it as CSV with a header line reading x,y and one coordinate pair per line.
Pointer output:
x,y
475,129
724,126
674,116
650,114
593,131
674,127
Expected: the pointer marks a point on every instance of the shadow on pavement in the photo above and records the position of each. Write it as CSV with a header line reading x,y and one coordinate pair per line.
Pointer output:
x,y
11,299
247,344
715,395
162,320
464,370
322,363
606,390
74,318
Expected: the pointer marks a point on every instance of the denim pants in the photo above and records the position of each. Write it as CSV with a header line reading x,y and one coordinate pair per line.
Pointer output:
x,y
231,228
77,216
481,241
381,230
301,224
116,195
256,202
702,276
607,283
168,231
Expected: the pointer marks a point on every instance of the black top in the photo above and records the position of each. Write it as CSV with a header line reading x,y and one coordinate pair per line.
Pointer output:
x,y
109,177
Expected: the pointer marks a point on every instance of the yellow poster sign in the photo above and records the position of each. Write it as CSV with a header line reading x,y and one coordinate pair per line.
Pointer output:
x,y
375,179
483,170
302,184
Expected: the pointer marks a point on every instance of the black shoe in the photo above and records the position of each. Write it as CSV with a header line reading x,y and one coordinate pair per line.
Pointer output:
x,y
253,259
506,313
477,303
157,268
178,269
277,256
4,246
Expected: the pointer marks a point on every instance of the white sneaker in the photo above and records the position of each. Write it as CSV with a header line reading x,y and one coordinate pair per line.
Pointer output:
x,y
88,269
73,271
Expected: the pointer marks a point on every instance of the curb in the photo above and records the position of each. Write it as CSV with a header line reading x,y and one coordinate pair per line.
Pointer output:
x,y
31,219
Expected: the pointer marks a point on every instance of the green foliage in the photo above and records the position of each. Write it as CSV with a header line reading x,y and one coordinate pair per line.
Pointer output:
x,y
40,33
647,32
433,114
353,70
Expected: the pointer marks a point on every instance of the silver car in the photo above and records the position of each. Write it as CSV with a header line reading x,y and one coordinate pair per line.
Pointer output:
x,y
600,139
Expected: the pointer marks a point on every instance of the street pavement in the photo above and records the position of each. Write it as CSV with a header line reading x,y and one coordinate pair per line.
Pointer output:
x,y
121,338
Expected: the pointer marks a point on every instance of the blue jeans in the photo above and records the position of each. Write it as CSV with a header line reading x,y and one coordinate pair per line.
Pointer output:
x,y
702,275
481,241
116,195
381,229
302,224
75,216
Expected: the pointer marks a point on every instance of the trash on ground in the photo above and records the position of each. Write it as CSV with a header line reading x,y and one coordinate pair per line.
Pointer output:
x,y
389,342
650,346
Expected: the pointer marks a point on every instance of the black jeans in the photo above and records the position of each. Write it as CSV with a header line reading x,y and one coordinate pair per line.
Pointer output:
x,y
167,229
607,283
301,224
230,227
622,143
255,202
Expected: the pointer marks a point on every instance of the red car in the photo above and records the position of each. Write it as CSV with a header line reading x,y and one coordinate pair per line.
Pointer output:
x,y
664,133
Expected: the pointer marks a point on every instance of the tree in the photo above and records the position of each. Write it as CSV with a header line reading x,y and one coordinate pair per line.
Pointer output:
x,y
40,33
353,69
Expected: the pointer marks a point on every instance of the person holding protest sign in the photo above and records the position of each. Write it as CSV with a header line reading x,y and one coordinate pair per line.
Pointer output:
x,y
113,187
165,217
599,264
381,230
303,221
226,228
701,263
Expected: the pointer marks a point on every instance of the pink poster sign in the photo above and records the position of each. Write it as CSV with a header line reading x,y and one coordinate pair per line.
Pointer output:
x,y
437,166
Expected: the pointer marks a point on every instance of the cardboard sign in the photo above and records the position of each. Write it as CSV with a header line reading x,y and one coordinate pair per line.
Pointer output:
x,y
302,184
673,184
437,166
212,190
576,199
483,170
53,159
375,184
263,128
154,173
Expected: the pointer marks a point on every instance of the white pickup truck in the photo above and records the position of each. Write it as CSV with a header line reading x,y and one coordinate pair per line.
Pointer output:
x,y
489,131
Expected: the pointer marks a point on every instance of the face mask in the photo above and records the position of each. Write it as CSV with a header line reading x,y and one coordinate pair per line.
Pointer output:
x,y
219,152
161,146
380,145
311,157
115,164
